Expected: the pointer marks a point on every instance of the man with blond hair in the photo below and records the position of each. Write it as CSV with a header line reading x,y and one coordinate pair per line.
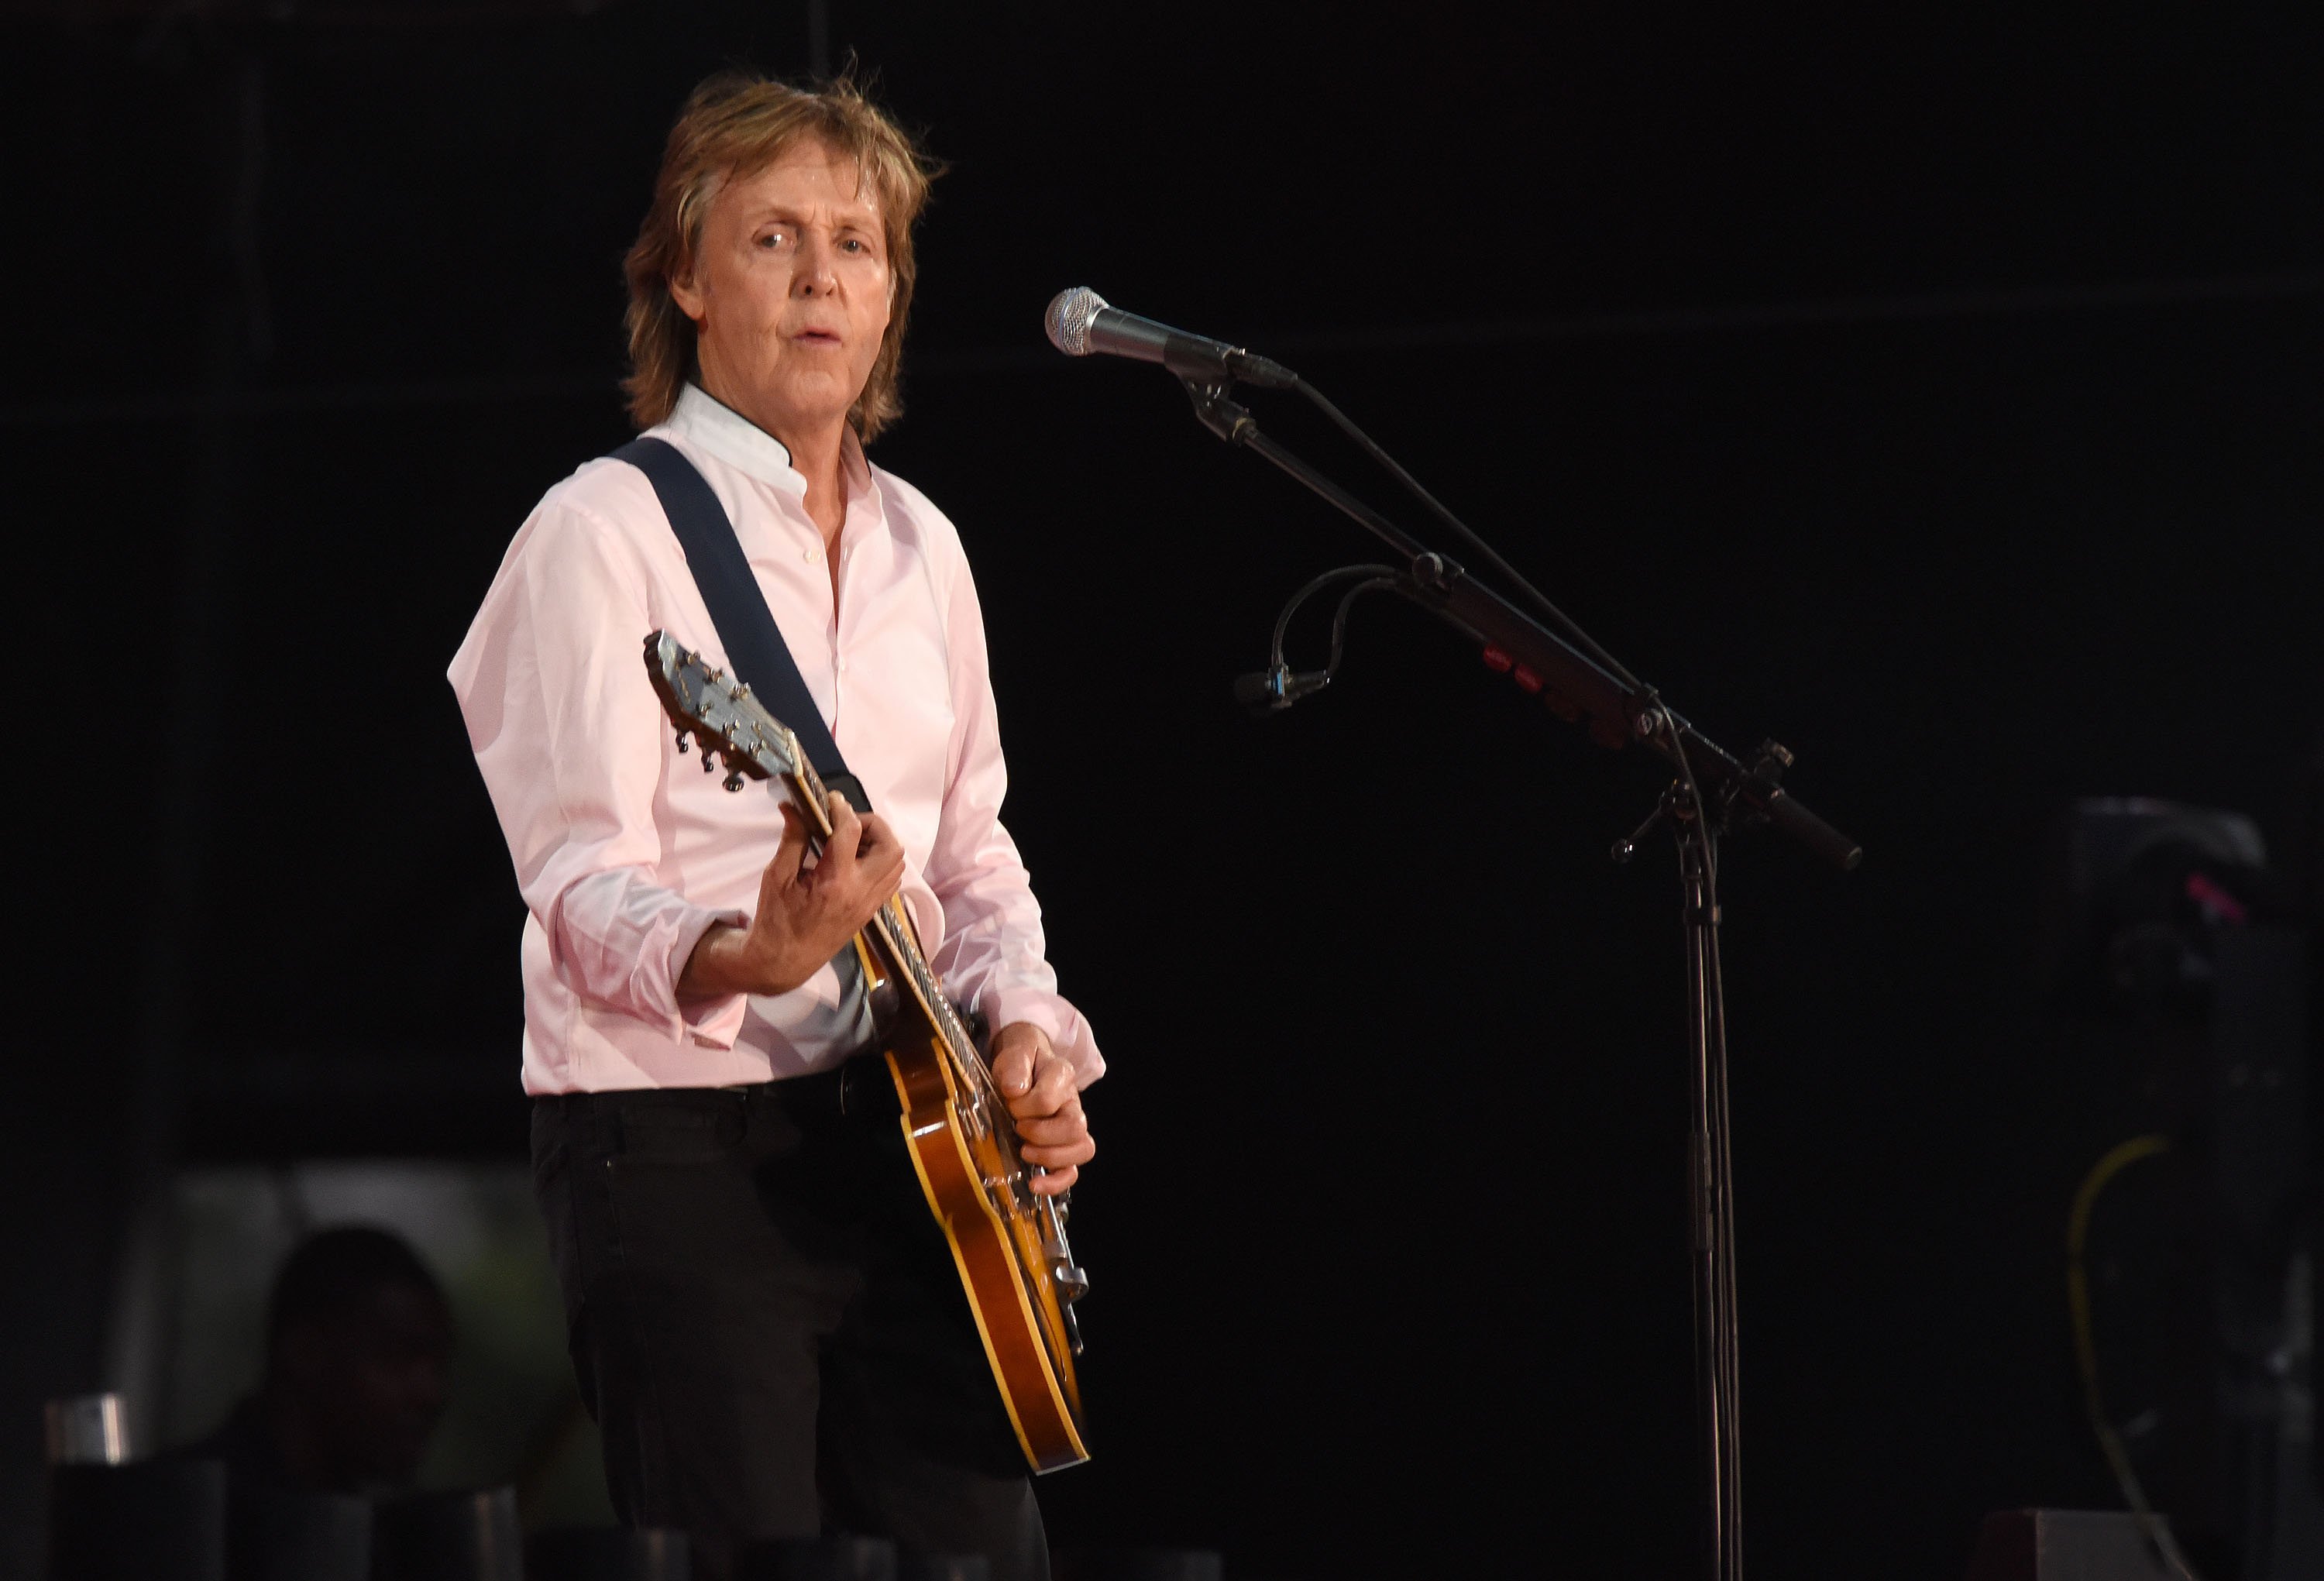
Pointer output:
x,y
764,1319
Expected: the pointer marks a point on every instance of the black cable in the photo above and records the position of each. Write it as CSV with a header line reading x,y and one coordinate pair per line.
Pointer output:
x,y
1379,574
1485,551
1340,617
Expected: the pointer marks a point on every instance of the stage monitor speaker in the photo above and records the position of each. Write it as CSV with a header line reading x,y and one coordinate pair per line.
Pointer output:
x,y
2065,1545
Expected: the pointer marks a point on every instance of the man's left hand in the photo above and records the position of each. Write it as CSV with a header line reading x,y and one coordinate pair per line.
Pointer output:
x,y
1038,1086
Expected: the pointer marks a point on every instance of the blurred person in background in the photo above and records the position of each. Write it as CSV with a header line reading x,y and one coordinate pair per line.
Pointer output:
x,y
358,1338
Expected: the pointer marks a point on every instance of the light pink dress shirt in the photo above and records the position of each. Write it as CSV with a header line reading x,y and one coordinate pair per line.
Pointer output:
x,y
626,852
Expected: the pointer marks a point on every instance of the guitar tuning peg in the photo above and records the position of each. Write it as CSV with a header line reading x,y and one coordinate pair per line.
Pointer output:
x,y
733,779
683,740
709,764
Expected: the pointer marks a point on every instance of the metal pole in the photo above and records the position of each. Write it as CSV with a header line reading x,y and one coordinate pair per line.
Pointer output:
x,y
1710,1173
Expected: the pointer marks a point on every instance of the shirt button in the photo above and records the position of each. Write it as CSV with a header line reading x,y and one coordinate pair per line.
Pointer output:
x,y
842,666
811,556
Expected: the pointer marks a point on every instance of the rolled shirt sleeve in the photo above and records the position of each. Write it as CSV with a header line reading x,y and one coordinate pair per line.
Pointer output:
x,y
570,741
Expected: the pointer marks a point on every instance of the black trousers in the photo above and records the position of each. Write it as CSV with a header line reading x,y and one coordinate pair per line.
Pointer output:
x,y
768,1326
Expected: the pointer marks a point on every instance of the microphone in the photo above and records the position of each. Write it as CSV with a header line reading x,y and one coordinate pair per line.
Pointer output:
x,y
1080,323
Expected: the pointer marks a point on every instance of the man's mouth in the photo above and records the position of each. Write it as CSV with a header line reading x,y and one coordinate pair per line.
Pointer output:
x,y
818,337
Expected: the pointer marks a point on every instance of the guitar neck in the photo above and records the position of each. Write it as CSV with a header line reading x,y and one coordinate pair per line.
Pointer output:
x,y
892,938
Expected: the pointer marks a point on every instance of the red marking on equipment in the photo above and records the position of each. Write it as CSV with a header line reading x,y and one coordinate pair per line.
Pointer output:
x,y
1497,661
2218,904
1525,678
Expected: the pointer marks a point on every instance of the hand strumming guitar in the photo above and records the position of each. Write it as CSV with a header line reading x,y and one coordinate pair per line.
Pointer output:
x,y
807,911
1039,1085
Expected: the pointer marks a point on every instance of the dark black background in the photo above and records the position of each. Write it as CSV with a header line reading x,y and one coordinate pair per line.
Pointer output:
x,y
1939,394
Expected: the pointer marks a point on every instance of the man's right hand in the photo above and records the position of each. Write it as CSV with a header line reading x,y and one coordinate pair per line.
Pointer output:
x,y
807,909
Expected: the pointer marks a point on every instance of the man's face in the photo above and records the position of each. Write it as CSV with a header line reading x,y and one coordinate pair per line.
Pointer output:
x,y
371,1383
790,291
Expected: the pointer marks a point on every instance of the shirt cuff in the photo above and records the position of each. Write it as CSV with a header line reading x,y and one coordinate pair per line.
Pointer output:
x,y
715,1020
1068,1033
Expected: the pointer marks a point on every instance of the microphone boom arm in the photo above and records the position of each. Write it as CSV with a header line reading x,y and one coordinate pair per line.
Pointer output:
x,y
1575,686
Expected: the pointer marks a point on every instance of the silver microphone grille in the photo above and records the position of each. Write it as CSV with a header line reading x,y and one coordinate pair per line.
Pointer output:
x,y
1068,319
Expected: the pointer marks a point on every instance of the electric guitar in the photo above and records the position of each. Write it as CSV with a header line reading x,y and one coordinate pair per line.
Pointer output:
x,y
1009,1245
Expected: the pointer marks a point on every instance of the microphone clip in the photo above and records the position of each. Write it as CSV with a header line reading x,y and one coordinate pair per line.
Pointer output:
x,y
1278,687
1222,415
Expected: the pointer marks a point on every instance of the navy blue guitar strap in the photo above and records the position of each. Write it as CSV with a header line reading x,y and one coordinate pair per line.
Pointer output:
x,y
754,646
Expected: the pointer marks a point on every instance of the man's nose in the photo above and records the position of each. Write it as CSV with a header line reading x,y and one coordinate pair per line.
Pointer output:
x,y
816,276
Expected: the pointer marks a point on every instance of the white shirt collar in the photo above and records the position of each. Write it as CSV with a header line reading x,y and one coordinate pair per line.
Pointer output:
x,y
705,420
732,437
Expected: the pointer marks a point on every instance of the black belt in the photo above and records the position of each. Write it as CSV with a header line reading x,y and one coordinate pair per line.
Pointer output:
x,y
859,1088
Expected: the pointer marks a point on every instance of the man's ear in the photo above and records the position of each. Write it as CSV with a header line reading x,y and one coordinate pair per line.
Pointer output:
x,y
688,296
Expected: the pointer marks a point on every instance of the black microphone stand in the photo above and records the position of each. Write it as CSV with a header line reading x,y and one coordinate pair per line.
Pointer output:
x,y
1713,795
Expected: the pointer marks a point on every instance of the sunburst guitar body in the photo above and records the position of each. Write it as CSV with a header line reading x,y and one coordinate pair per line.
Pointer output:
x,y
1008,1242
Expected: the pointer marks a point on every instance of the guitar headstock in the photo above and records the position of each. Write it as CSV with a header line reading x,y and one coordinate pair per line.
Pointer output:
x,y
717,712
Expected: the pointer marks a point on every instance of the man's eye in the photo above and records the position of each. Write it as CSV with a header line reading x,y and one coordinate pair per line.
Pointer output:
x,y
771,239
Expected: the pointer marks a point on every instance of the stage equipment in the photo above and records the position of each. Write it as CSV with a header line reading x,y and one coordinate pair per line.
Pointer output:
x,y
150,1520
2150,889
2171,949
87,1429
1149,1564
610,1553
2064,1545
916,1567
828,1559
2151,1530
1008,1242
1713,792
280,1534
449,1537
1276,687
